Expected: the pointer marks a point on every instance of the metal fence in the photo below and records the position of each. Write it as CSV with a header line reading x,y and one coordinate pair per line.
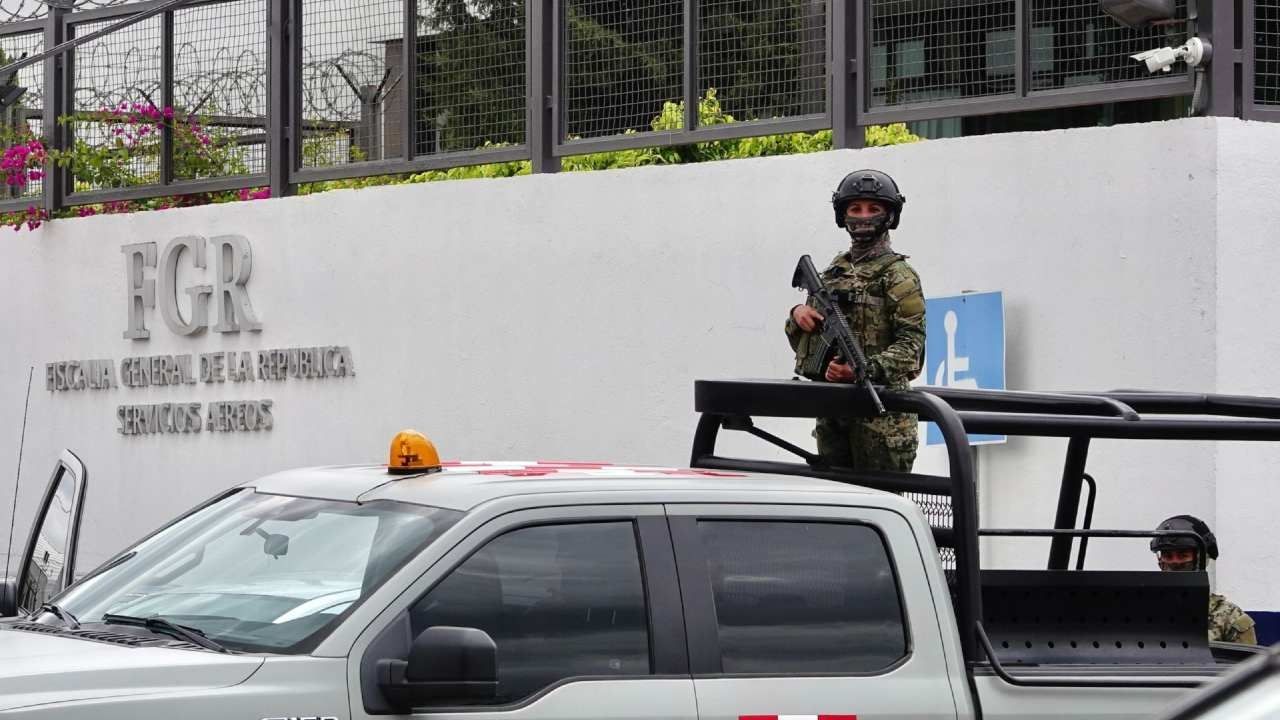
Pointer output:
x,y
1262,88
282,92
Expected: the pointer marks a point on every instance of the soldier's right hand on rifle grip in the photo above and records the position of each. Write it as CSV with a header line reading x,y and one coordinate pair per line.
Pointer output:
x,y
840,372
806,317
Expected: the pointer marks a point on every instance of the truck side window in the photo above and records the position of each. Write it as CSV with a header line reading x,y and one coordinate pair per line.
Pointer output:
x,y
559,601
803,597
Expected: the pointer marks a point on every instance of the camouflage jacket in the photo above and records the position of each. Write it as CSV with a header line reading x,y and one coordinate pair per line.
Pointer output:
x,y
1228,623
884,303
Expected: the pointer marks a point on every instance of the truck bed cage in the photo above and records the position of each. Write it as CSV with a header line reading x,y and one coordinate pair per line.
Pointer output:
x,y
1078,416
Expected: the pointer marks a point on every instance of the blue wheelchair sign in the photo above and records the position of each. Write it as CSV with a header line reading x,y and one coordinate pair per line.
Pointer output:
x,y
964,348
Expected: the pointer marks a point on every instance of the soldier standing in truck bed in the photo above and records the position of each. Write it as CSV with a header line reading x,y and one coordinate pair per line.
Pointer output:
x,y
881,297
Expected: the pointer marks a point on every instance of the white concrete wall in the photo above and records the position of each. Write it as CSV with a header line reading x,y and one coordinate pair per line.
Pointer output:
x,y
567,316
1102,289
1247,491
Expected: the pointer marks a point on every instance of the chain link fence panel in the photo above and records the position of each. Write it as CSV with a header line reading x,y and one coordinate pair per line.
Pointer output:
x,y
353,87
623,64
764,59
220,89
620,69
929,51
1073,43
23,118
471,88
1266,50
937,51
114,76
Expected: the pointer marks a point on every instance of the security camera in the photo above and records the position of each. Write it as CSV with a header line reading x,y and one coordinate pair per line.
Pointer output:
x,y
10,94
1195,53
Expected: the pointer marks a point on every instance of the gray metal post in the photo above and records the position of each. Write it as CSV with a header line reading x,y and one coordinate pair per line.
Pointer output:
x,y
692,91
1218,20
57,91
13,119
293,54
409,82
281,129
1068,501
815,20
848,67
542,27
1249,68
1021,50
845,74
166,97
368,139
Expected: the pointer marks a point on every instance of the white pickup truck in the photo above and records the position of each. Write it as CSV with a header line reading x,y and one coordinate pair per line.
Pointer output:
x,y
562,590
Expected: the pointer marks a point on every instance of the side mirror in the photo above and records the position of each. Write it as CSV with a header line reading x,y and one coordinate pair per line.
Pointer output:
x,y
8,597
447,665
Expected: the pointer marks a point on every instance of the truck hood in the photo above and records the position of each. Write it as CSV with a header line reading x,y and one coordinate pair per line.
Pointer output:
x,y
38,668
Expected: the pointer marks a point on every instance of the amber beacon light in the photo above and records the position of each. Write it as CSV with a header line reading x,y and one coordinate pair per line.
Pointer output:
x,y
411,452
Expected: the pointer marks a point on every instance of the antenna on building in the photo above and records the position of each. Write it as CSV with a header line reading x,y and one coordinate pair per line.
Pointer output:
x,y
13,515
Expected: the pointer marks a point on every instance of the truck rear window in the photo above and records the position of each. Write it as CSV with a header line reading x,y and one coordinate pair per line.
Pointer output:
x,y
803,597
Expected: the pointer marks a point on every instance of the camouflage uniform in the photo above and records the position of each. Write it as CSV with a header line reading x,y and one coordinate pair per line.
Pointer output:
x,y
883,301
1228,623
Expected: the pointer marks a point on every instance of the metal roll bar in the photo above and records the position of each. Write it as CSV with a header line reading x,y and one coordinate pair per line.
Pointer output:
x,y
1079,416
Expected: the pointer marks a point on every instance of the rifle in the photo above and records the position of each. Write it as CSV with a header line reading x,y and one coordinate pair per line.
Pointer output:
x,y
836,339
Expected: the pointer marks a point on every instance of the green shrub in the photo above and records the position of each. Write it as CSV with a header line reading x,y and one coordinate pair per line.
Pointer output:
x,y
135,132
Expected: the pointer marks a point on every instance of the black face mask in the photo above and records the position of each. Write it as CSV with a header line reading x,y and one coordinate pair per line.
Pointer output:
x,y
865,231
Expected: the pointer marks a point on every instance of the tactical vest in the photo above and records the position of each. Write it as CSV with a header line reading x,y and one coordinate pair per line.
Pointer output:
x,y
863,293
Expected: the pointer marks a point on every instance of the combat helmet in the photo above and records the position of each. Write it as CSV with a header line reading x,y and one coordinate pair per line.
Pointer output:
x,y
1185,523
868,185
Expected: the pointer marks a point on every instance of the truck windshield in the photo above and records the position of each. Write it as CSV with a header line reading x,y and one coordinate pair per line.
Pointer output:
x,y
260,573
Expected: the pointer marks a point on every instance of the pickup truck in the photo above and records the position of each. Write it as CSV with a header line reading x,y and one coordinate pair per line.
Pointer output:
x,y
732,589
1251,691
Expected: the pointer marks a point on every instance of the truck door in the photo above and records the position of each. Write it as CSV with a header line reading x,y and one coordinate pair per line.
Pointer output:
x,y
47,566
808,612
579,606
